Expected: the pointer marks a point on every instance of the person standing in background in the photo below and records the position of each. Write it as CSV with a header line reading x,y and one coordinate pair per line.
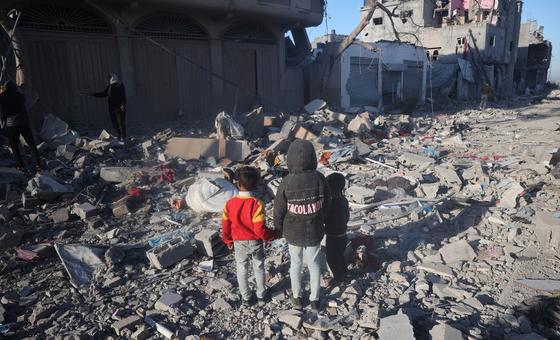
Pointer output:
x,y
116,94
14,118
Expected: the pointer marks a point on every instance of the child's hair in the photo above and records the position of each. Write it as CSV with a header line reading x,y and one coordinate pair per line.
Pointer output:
x,y
248,177
336,182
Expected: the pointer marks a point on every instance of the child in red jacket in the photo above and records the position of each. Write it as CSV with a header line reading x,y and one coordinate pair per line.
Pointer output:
x,y
244,230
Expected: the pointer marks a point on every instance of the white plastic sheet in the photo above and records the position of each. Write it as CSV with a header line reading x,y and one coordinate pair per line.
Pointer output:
x,y
226,124
207,195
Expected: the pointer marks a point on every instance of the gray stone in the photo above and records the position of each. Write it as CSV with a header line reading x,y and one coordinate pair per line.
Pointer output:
x,y
41,312
445,332
85,210
457,251
209,243
437,268
60,215
430,190
126,323
169,253
142,333
510,196
219,284
221,304
448,176
413,159
443,291
542,285
115,174
396,327
292,318
168,301
547,229
360,195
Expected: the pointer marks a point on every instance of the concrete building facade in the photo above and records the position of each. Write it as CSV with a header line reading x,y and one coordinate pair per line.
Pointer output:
x,y
483,33
534,59
174,56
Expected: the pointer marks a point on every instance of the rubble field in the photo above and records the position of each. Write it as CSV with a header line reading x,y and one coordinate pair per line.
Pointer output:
x,y
454,229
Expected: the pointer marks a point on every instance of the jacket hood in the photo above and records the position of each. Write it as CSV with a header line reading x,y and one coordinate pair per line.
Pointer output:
x,y
301,156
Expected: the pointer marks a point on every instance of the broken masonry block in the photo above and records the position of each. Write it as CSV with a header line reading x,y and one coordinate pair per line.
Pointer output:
x,y
126,323
413,159
121,207
169,253
315,105
60,215
29,202
547,228
300,132
168,301
360,195
209,243
115,174
396,327
85,210
445,332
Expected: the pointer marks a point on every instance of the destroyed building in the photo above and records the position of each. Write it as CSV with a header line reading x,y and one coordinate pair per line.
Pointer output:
x,y
533,60
200,57
469,42
384,74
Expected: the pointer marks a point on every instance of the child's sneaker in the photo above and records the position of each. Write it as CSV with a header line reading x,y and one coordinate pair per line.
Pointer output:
x,y
314,305
296,303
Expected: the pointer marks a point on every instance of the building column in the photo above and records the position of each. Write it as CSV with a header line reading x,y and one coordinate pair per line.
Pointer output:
x,y
217,63
125,59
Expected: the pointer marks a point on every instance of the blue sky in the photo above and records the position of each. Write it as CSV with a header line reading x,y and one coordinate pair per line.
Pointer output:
x,y
344,15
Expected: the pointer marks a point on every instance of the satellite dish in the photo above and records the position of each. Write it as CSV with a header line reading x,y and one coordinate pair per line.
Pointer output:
x,y
13,14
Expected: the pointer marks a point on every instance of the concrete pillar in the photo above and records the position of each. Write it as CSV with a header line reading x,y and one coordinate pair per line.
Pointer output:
x,y
217,63
126,61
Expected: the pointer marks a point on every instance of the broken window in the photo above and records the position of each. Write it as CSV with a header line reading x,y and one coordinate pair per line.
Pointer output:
x,y
435,55
378,21
493,41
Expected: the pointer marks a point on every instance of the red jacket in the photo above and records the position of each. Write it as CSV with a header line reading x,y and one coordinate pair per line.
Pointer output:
x,y
244,220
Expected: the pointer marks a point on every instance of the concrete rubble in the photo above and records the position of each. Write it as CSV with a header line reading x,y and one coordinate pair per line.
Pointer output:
x,y
454,229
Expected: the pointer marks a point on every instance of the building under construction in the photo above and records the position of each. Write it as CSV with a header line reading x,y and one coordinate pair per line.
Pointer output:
x,y
174,56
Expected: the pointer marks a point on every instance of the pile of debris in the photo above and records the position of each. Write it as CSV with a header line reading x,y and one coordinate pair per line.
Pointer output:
x,y
454,223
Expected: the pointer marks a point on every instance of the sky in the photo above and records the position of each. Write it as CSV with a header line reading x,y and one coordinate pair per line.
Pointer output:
x,y
344,15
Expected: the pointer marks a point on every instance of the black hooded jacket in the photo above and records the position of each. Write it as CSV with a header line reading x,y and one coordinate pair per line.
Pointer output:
x,y
116,96
12,106
302,198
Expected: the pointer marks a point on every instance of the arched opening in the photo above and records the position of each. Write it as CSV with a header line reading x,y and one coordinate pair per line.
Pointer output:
x,y
172,27
75,48
169,83
249,32
251,60
62,18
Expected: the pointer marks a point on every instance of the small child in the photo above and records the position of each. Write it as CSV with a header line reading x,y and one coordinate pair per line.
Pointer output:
x,y
244,230
336,226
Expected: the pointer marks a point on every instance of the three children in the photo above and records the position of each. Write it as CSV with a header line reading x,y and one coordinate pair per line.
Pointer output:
x,y
303,213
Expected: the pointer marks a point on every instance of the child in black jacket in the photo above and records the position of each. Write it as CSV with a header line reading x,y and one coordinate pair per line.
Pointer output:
x,y
336,225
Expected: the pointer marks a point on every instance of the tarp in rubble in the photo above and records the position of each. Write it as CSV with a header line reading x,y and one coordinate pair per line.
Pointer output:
x,y
467,70
80,261
207,195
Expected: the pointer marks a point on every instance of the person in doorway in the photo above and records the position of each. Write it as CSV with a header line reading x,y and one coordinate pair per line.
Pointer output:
x,y
14,118
485,92
300,207
244,230
116,94
336,226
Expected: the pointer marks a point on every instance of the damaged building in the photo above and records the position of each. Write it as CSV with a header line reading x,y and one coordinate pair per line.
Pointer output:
x,y
384,74
533,60
192,58
469,42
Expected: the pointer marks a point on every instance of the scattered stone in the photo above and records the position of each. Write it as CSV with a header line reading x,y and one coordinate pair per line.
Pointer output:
x,y
437,268
209,243
221,304
60,216
445,332
509,197
169,253
168,301
41,312
457,251
85,210
396,327
443,291
126,323
292,318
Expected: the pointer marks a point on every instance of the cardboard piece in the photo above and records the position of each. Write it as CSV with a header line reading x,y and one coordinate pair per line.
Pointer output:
x,y
194,148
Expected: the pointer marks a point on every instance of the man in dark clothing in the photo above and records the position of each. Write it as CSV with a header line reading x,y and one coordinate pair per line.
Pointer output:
x,y
14,118
336,226
485,93
299,213
117,104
